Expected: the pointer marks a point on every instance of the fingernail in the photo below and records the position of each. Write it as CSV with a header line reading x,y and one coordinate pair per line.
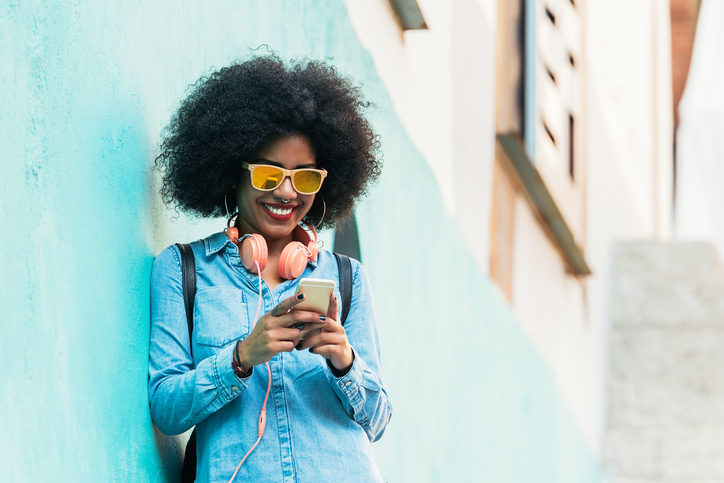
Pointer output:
x,y
322,318
299,327
300,296
299,346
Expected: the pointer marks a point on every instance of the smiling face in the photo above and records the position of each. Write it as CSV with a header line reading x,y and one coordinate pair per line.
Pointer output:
x,y
264,212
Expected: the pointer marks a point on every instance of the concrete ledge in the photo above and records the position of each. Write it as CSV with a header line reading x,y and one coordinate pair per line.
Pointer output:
x,y
666,380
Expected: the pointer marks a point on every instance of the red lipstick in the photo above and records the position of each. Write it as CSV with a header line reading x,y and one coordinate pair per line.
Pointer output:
x,y
275,216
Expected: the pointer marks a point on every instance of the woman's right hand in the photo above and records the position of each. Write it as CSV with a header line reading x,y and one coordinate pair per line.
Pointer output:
x,y
276,331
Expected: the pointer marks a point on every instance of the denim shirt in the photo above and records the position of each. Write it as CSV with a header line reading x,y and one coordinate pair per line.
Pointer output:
x,y
319,427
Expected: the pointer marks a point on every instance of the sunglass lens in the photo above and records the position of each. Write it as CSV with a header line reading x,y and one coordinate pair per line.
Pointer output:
x,y
307,181
267,177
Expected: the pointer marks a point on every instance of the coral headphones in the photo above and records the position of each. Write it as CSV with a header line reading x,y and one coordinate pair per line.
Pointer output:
x,y
293,259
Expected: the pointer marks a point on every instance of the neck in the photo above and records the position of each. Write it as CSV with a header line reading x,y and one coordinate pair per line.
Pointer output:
x,y
274,245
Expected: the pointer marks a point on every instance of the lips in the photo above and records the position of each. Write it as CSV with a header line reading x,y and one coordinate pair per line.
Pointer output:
x,y
279,212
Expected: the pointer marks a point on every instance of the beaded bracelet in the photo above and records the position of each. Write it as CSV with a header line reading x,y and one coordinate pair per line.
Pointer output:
x,y
236,365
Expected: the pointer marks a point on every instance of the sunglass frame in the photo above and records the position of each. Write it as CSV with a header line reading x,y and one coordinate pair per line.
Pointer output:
x,y
287,173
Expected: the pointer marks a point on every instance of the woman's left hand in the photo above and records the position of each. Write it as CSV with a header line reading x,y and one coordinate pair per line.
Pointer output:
x,y
330,341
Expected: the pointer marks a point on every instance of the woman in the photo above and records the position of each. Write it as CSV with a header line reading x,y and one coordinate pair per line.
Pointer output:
x,y
221,154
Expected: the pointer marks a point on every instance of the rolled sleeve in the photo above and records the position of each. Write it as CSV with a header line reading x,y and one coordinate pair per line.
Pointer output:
x,y
363,398
226,379
348,388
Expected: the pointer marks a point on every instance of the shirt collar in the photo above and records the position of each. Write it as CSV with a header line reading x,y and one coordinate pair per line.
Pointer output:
x,y
216,242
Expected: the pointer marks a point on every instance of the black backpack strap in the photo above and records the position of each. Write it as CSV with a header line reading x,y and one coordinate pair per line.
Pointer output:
x,y
345,284
188,279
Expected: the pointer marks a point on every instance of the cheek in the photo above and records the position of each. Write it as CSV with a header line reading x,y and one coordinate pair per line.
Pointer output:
x,y
243,198
243,190
308,201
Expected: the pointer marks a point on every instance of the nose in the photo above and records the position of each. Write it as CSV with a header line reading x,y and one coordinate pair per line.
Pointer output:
x,y
286,190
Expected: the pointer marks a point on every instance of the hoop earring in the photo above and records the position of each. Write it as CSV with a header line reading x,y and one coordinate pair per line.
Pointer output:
x,y
226,206
324,212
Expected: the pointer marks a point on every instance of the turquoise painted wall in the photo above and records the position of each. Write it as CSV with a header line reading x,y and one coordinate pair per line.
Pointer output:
x,y
86,88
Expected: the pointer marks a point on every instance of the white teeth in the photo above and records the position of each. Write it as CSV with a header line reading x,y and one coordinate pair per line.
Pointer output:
x,y
278,211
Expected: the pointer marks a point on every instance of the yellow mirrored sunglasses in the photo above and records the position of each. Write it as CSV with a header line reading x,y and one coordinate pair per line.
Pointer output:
x,y
306,181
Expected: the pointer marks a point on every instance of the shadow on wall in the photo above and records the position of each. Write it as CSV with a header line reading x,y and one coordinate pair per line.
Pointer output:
x,y
171,450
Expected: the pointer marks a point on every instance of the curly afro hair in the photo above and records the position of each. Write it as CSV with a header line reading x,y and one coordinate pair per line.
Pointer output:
x,y
234,113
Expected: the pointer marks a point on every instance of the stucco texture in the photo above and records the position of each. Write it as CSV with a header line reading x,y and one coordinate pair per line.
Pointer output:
x,y
86,89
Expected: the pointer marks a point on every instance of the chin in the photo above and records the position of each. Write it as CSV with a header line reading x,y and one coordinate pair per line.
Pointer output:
x,y
277,230
277,233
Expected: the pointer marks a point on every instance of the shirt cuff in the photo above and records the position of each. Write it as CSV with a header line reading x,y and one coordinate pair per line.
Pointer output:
x,y
349,386
228,384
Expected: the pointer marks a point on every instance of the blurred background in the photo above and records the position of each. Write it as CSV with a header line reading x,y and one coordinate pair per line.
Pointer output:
x,y
544,245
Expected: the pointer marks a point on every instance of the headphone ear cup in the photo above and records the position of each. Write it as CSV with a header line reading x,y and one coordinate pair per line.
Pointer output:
x,y
254,248
292,261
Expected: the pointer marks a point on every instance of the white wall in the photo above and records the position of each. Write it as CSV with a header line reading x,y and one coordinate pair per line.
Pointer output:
x,y
629,126
442,85
441,82
700,136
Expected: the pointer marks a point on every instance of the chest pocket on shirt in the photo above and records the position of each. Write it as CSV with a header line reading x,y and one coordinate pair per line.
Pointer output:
x,y
221,315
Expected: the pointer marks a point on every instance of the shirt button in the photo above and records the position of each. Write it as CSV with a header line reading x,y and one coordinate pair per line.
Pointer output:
x,y
235,388
348,383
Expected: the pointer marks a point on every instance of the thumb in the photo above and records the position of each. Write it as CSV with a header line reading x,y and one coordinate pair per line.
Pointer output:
x,y
332,309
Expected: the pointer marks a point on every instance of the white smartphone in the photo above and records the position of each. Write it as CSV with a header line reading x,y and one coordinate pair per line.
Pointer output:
x,y
317,293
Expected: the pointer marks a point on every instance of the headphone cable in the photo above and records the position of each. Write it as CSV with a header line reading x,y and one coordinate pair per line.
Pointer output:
x,y
262,415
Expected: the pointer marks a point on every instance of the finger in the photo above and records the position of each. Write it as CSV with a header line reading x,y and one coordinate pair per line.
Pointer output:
x,y
327,350
305,335
296,317
286,305
309,326
283,334
331,325
324,335
323,338
332,309
282,346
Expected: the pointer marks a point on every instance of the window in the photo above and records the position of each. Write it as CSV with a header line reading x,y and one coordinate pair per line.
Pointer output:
x,y
538,119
